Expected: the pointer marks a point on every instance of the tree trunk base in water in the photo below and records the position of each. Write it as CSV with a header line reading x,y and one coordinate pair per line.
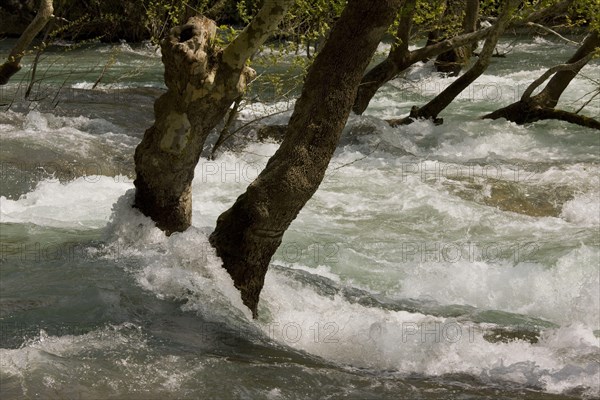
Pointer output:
x,y
203,81
523,112
246,252
171,212
248,234
201,88
7,70
412,117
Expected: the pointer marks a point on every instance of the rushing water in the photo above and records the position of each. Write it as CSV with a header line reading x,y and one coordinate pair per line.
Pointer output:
x,y
435,262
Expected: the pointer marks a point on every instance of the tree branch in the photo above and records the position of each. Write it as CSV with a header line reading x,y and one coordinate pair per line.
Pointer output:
x,y
561,67
255,34
553,10
398,60
442,100
553,32
12,65
588,101
449,44
581,120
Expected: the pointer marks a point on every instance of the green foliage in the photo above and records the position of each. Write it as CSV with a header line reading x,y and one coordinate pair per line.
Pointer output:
x,y
428,14
247,9
161,16
585,12
309,21
275,83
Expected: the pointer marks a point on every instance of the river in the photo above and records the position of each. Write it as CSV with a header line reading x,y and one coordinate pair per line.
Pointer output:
x,y
458,261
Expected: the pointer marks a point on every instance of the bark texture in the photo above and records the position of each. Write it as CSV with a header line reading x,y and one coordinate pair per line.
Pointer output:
x,y
248,234
203,81
541,106
13,63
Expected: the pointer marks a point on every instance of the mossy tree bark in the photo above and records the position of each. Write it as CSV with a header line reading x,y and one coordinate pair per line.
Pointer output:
x,y
203,81
432,109
541,106
248,234
400,58
13,63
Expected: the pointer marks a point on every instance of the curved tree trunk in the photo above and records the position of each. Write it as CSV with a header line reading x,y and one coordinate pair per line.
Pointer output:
x,y
559,82
13,64
203,81
397,60
541,106
248,234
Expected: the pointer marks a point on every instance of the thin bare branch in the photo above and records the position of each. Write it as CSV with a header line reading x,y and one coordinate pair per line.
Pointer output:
x,y
588,101
13,63
553,32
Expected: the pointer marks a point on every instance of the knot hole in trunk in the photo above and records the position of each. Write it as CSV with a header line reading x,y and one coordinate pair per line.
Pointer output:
x,y
187,32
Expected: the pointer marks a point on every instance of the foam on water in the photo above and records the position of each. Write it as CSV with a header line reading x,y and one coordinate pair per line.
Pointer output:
x,y
67,365
181,266
371,206
583,209
564,293
85,136
411,342
84,203
184,266
293,314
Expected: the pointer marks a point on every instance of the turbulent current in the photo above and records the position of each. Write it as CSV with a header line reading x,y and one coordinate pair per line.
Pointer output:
x,y
458,261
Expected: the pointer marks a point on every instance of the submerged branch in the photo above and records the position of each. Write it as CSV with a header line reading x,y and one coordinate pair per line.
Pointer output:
x,y
561,115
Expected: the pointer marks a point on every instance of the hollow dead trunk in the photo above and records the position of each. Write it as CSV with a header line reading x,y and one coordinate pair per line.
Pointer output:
x,y
194,104
203,81
248,234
